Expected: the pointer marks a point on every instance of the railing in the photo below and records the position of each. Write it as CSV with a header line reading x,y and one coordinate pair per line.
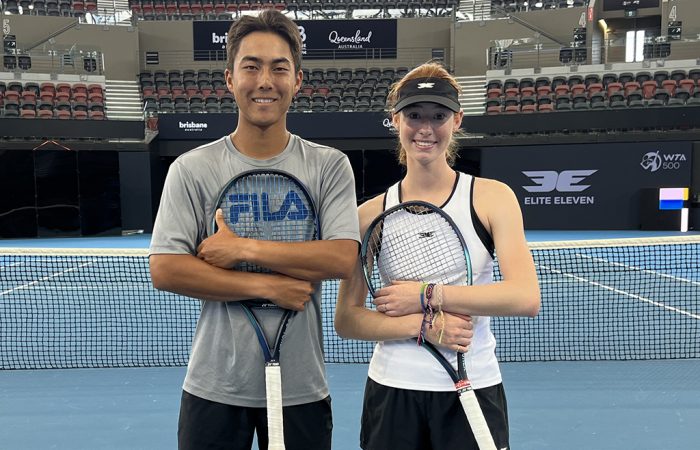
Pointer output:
x,y
611,50
75,60
313,58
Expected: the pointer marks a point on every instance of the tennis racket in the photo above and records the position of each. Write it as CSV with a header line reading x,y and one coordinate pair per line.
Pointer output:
x,y
275,206
416,241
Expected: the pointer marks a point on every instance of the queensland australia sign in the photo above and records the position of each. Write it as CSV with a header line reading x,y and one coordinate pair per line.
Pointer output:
x,y
321,39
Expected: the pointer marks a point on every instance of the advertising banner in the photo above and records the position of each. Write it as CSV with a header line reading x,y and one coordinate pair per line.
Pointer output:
x,y
587,186
340,125
321,39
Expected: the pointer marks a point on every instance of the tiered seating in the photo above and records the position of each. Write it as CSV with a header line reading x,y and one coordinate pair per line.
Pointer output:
x,y
331,89
186,91
56,8
346,89
50,100
225,9
577,92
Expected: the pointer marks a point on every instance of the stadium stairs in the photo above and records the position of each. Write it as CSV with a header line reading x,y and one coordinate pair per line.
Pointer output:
x,y
115,11
123,100
475,9
472,97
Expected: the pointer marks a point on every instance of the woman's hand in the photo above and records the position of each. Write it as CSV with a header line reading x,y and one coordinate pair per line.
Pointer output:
x,y
399,299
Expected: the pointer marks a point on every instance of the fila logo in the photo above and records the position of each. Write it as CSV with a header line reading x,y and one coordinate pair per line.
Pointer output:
x,y
292,208
426,85
426,234
565,181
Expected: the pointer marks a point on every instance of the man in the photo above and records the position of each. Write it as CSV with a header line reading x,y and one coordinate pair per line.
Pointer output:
x,y
223,400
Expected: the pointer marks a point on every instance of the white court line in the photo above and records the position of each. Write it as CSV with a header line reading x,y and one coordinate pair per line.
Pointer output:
x,y
653,272
10,265
57,274
629,294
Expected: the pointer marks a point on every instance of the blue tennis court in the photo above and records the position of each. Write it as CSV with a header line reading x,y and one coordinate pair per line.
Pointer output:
x,y
611,362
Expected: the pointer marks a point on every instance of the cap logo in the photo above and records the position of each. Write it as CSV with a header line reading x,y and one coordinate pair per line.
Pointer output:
x,y
426,85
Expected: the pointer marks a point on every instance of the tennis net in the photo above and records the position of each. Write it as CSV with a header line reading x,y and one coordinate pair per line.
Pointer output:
x,y
601,300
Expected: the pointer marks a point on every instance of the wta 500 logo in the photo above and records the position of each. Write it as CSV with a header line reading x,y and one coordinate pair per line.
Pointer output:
x,y
567,181
654,161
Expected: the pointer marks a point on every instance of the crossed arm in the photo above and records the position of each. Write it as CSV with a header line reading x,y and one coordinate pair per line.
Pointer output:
x,y
517,295
297,265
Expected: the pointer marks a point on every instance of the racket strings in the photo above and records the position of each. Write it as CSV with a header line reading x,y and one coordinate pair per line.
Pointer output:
x,y
418,246
271,207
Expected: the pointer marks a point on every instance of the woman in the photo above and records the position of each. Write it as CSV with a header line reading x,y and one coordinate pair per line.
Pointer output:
x,y
410,401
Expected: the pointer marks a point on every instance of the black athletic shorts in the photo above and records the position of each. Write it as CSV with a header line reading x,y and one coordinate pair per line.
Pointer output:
x,y
208,425
402,419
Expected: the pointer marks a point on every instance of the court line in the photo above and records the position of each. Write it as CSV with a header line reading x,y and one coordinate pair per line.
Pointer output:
x,y
618,291
54,275
653,272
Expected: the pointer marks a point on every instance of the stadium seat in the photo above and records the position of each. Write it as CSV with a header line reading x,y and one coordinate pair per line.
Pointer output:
x,y
62,114
614,87
597,100
625,77
544,90
670,86
12,96
662,95
591,79
649,89
27,113
96,115
687,84
45,113
635,99
678,75
616,98
660,76
609,78
631,86
642,77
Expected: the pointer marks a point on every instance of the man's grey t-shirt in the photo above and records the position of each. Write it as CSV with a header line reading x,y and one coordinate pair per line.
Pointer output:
x,y
226,364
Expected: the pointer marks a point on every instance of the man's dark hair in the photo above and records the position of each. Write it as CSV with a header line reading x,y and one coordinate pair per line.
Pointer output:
x,y
271,21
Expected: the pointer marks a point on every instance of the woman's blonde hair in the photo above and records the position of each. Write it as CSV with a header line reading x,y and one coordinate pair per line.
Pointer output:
x,y
430,69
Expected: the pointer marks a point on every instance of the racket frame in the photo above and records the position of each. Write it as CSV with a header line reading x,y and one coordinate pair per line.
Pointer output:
x,y
273,378
467,397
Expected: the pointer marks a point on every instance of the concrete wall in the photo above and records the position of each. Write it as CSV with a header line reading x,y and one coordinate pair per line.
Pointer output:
x,y
118,44
472,39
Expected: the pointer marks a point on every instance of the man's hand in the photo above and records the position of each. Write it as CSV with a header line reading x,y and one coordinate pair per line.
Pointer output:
x,y
223,248
289,293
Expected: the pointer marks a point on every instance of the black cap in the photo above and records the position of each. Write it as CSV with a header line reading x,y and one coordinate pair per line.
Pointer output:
x,y
433,90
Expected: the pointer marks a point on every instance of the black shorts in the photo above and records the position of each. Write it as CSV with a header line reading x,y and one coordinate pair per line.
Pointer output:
x,y
210,425
402,419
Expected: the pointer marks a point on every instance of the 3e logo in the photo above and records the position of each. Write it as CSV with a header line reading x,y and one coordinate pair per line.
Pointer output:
x,y
292,207
565,181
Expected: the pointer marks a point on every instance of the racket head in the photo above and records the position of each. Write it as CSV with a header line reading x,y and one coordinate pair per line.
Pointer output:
x,y
267,204
414,241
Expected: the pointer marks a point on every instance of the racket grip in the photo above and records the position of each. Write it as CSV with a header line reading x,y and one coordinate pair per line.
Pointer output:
x,y
273,389
477,422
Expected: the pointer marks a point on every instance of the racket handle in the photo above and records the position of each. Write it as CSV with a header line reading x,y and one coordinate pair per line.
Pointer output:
x,y
477,422
273,389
